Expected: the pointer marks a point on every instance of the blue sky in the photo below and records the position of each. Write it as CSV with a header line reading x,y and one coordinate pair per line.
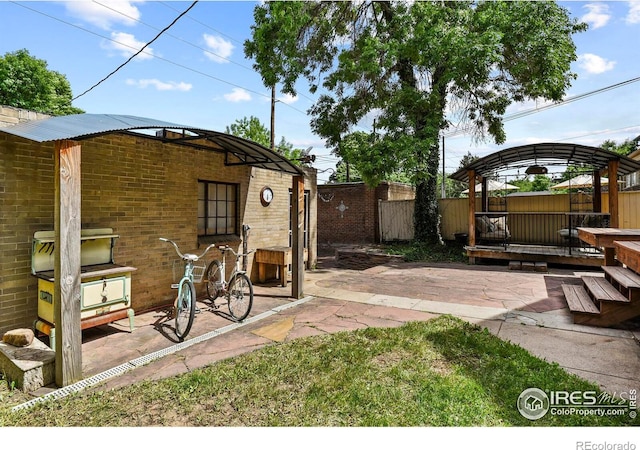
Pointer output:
x,y
196,72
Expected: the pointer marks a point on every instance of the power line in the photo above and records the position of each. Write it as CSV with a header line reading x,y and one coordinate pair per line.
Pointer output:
x,y
201,48
229,37
261,94
173,36
572,99
599,132
138,52
203,24
552,105
631,127
184,13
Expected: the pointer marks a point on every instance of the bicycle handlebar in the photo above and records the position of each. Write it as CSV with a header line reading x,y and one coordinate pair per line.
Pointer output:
x,y
187,256
224,248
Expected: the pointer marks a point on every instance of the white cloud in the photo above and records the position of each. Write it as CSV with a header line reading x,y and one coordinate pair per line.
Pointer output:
x,y
160,85
288,99
598,15
594,63
220,50
238,95
126,44
113,12
633,16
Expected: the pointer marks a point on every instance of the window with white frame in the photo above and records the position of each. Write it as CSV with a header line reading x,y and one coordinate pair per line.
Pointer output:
x,y
217,208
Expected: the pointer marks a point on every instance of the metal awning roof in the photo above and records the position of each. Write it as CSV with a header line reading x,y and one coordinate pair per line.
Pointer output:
x,y
547,154
238,151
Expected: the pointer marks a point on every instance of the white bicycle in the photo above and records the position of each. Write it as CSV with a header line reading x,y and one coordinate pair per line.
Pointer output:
x,y
238,291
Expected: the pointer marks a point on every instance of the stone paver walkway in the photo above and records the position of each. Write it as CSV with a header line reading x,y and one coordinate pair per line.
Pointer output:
x,y
526,308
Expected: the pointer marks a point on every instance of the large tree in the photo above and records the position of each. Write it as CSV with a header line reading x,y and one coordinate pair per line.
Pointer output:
x,y
624,149
251,128
409,63
25,82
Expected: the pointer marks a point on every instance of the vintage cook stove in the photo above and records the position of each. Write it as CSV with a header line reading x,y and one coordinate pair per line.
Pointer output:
x,y
105,289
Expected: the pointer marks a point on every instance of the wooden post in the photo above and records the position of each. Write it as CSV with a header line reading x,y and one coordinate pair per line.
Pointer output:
x,y
597,192
485,193
68,336
613,193
472,208
297,237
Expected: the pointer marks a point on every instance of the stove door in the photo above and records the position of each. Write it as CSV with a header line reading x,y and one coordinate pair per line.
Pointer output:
x,y
105,292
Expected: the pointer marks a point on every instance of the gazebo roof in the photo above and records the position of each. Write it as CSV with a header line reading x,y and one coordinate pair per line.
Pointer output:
x,y
238,151
546,154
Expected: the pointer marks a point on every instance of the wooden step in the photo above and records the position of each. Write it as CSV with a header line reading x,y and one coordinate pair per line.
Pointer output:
x,y
597,302
625,280
579,300
601,290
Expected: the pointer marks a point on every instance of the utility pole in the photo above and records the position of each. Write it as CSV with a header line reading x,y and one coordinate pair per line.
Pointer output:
x,y
273,117
444,191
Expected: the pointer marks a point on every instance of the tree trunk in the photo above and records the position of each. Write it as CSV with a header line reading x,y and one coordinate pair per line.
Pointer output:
x,y
426,216
428,126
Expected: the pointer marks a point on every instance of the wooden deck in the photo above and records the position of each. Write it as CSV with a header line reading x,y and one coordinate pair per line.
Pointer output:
x,y
575,256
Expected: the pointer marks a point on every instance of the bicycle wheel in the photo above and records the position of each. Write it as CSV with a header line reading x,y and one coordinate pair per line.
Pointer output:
x,y
185,308
214,279
240,296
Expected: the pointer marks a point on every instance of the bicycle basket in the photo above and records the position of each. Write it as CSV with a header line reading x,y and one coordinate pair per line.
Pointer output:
x,y
198,273
178,271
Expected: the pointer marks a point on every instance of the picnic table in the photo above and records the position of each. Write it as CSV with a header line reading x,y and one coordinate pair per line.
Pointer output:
x,y
605,238
628,253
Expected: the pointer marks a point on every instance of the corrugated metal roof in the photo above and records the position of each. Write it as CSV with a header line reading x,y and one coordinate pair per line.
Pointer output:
x,y
546,154
238,151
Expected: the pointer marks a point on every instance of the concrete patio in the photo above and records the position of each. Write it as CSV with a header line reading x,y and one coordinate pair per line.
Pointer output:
x,y
526,308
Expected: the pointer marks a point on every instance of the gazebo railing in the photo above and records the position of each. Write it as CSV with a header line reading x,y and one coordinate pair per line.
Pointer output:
x,y
558,229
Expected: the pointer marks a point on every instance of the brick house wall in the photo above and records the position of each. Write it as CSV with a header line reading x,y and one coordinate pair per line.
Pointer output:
x,y
11,116
144,190
348,212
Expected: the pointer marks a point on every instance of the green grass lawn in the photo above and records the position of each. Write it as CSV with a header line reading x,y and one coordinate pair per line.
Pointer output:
x,y
444,372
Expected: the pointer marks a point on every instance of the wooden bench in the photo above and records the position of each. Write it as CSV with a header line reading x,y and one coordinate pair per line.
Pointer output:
x,y
277,256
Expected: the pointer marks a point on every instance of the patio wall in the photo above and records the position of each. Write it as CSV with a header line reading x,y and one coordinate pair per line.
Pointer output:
x,y
348,212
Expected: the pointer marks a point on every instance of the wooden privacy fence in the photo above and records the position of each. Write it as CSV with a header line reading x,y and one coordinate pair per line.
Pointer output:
x,y
395,217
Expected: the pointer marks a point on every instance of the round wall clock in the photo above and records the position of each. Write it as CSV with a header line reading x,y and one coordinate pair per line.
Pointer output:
x,y
266,195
